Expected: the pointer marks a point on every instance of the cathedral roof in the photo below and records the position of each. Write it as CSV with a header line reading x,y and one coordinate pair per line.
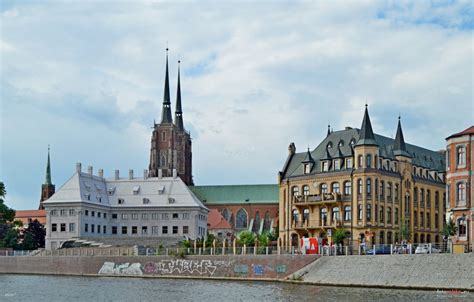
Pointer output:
x,y
237,194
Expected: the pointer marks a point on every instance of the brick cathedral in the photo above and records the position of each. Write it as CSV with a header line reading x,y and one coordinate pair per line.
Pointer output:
x,y
170,142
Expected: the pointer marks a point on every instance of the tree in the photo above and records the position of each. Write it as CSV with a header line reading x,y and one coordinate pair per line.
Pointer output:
x,y
10,239
6,214
35,234
450,228
246,237
339,236
263,239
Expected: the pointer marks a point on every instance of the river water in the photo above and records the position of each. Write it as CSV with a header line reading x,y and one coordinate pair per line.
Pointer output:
x,y
67,289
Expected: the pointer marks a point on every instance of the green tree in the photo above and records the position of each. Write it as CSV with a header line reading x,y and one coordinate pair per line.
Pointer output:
x,y
10,239
263,239
450,228
35,234
246,237
6,214
339,236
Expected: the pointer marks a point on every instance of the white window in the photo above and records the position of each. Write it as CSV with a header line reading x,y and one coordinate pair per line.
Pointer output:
x,y
62,212
325,166
349,163
154,230
72,212
124,216
461,156
72,227
134,216
337,164
136,189
186,216
307,168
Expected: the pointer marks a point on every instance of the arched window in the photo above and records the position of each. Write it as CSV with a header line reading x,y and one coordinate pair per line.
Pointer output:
x,y
396,192
295,191
382,214
369,160
381,238
389,191
368,212
360,161
267,222
347,188
389,215
360,212
461,155
428,198
226,214
323,188
256,223
241,221
295,216
163,161
382,190
347,213
368,189
460,193
324,216
335,187
462,227
428,220
415,197
305,190
422,198
335,214
305,215
436,200
359,186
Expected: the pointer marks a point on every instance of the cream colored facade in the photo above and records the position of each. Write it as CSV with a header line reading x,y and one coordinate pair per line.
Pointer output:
x,y
373,196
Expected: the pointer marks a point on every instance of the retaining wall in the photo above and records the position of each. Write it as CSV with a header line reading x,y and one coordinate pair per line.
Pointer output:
x,y
435,271
231,266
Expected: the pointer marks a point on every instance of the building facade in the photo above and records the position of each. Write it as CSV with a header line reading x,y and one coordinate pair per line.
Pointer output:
x,y
245,207
171,146
379,190
460,184
93,207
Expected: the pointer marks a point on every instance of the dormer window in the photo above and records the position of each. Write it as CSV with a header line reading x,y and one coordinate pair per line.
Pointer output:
x,y
87,186
146,201
337,164
111,190
171,200
136,190
352,142
349,163
307,168
329,145
121,201
341,143
88,196
325,166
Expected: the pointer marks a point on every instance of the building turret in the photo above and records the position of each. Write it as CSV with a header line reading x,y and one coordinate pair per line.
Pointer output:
x,y
399,147
366,135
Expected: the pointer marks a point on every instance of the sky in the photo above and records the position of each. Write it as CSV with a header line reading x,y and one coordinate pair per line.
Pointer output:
x,y
87,78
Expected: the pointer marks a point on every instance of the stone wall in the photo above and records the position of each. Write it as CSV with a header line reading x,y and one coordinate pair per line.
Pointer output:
x,y
436,271
247,267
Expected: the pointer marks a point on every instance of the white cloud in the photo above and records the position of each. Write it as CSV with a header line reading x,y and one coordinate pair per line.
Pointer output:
x,y
88,79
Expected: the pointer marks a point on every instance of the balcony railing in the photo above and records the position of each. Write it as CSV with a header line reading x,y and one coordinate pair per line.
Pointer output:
x,y
321,198
312,224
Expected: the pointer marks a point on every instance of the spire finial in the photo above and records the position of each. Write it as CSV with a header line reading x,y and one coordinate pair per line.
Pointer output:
x,y
178,116
166,117
47,180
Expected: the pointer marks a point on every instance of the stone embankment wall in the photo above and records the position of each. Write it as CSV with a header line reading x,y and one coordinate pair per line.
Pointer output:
x,y
436,271
232,266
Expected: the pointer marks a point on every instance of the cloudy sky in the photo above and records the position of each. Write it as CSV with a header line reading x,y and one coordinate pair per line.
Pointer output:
x,y
87,78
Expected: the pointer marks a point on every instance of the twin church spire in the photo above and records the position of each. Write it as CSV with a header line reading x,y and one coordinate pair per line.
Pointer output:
x,y
166,116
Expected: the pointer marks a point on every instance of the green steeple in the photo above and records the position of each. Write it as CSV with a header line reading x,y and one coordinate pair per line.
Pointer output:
x,y
47,180
366,135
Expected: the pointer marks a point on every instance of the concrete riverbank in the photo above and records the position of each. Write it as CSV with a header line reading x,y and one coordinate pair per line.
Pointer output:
x,y
436,271
431,272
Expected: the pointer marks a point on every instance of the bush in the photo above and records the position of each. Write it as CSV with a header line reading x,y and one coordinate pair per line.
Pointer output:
x,y
246,237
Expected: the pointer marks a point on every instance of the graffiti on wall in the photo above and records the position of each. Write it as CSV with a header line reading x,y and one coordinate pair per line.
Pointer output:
x,y
182,266
126,269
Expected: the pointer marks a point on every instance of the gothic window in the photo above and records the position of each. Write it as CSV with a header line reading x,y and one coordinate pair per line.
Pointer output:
x,y
428,198
305,190
382,189
389,190
256,222
241,219
335,187
422,198
267,221
415,197
461,155
460,193
382,214
347,188
226,214
396,192
163,161
436,200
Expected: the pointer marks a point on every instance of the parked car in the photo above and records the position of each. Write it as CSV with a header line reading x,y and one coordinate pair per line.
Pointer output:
x,y
425,249
380,250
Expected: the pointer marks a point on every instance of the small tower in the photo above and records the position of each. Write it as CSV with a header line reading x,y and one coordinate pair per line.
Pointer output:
x,y
366,149
47,189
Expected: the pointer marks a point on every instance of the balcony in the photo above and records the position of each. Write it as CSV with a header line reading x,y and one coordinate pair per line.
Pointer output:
x,y
315,224
326,198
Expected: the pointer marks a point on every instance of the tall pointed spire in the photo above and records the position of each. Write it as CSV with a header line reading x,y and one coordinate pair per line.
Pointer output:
x,y
47,180
178,116
366,135
166,117
399,147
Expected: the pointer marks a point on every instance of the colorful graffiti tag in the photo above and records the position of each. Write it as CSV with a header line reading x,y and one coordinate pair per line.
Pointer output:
x,y
181,266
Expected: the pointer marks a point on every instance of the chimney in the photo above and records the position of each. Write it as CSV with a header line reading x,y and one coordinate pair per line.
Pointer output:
x,y
89,170
101,173
117,174
160,173
291,149
130,174
78,167
145,174
175,173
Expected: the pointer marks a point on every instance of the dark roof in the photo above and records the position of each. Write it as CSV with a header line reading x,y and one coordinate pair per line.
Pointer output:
x,y
237,194
340,142
469,130
399,146
366,136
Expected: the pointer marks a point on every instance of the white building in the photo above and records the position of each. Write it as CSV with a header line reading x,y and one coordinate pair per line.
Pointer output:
x,y
89,206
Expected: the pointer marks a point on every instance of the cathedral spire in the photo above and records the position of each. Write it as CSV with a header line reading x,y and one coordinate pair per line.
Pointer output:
x,y
366,135
178,117
166,117
399,147
47,180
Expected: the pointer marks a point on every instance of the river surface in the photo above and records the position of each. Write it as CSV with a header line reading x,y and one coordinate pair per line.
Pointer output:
x,y
67,289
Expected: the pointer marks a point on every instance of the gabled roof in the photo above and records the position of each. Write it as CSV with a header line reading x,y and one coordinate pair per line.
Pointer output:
x,y
237,194
366,135
421,157
215,220
467,131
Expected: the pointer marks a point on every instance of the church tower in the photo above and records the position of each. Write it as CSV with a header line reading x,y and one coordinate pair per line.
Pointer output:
x,y
170,142
47,189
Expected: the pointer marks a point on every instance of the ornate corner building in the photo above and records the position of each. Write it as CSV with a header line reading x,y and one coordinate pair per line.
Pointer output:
x,y
460,184
379,190
170,142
